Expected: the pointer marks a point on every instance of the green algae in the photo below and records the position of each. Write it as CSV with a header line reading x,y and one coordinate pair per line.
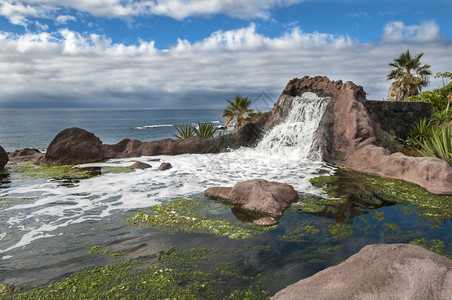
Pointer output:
x,y
340,231
378,215
300,233
370,192
178,274
193,215
434,245
117,170
29,170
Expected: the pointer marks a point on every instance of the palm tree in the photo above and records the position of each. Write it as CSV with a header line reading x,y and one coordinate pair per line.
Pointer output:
x,y
239,110
410,76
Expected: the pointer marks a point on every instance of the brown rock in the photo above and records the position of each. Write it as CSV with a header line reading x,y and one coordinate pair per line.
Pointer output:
x,y
73,146
258,195
26,154
165,166
140,165
397,271
3,158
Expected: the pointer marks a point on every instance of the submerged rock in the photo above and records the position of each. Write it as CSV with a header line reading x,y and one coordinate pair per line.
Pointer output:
x,y
140,166
73,146
258,196
3,158
397,271
165,166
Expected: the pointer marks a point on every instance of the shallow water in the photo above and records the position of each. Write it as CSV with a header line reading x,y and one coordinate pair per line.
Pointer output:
x,y
48,227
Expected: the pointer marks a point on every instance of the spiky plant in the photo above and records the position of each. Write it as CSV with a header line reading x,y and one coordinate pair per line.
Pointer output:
x,y
439,144
205,130
185,131
418,133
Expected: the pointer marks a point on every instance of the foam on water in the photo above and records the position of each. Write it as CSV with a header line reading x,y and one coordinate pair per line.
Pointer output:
x,y
285,154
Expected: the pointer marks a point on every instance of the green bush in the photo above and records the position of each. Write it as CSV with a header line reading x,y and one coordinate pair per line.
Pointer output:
x,y
205,130
418,133
185,131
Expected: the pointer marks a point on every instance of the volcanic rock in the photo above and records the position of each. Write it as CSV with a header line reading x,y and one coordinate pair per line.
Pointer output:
x,y
73,146
27,154
257,195
3,158
140,166
165,166
396,271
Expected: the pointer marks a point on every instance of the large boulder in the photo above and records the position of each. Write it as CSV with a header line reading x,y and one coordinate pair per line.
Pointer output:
x,y
397,271
73,146
351,134
3,158
257,195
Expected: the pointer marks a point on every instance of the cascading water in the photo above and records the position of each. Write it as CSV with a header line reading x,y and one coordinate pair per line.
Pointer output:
x,y
295,137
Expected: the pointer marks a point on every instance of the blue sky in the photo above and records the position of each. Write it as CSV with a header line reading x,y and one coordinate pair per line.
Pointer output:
x,y
196,53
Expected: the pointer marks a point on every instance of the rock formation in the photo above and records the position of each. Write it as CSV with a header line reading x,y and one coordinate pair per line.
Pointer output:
x,y
351,135
73,146
3,158
258,196
26,154
396,271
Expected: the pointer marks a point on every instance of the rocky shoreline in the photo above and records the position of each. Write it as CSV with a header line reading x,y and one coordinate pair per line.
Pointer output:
x,y
350,140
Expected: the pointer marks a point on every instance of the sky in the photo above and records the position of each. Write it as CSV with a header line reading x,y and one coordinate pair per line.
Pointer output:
x,y
197,53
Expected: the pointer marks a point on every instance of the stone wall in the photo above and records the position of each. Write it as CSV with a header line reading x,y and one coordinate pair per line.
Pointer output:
x,y
397,116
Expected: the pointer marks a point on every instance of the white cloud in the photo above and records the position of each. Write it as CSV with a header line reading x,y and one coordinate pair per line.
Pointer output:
x,y
88,69
398,32
19,11
63,19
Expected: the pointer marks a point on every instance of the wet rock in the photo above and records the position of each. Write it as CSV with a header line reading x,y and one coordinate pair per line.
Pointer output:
x,y
396,271
3,158
258,195
73,146
140,166
25,155
165,166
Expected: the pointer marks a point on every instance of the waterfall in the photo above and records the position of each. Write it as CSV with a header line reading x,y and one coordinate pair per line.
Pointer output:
x,y
295,137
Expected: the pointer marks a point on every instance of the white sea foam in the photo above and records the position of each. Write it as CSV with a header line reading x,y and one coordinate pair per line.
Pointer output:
x,y
152,126
283,155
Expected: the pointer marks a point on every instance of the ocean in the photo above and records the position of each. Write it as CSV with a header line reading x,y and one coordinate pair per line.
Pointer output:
x,y
52,227
35,128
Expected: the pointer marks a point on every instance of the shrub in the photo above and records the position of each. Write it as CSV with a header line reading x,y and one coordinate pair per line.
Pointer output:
x,y
205,130
439,144
185,131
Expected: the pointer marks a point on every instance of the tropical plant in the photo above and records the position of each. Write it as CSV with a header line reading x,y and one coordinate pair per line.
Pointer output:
x,y
185,131
205,130
409,75
239,111
418,133
439,144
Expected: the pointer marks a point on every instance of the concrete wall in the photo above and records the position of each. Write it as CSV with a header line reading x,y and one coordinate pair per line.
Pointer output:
x,y
397,116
